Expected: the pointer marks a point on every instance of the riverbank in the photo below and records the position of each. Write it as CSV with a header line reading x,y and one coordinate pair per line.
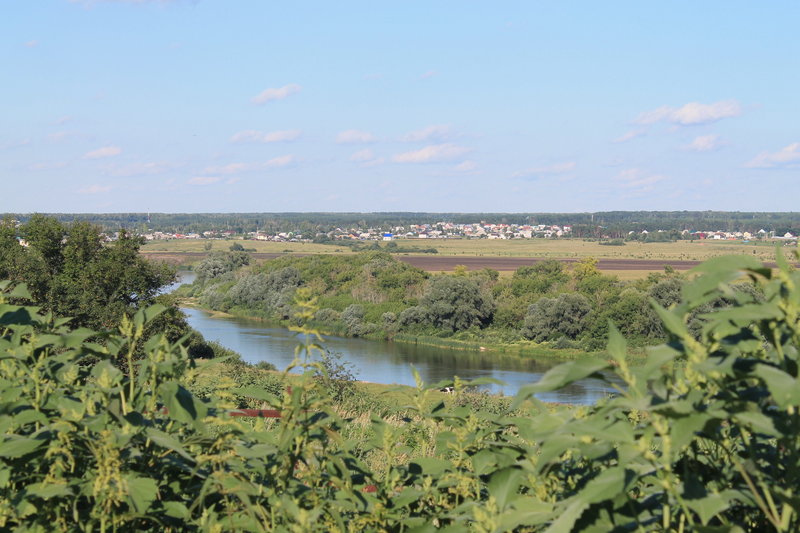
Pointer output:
x,y
522,350
525,350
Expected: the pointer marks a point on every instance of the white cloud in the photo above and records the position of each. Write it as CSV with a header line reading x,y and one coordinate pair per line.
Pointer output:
x,y
282,161
142,169
15,144
630,135
231,168
636,181
204,180
91,3
254,136
354,137
238,168
466,166
63,136
705,143
362,155
95,189
788,156
367,158
549,170
692,113
428,74
436,132
100,153
279,93
32,44
432,153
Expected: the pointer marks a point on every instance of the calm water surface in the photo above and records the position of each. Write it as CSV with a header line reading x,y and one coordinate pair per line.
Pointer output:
x,y
390,362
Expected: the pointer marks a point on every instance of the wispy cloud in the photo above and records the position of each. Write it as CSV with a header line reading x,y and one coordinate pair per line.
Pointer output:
x,y
366,157
636,182
32,44
142,169
466,167
432,154
362,155
630,135
100,153
693,113
549,170
788,156
231,168
354,137
705,143
281,161
428,74
436,132
14,144
90,3
254,136
204,180
278,93
239,168
60,136
95,189
48,166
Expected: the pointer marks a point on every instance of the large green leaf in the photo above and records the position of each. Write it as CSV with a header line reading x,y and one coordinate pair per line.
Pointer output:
x,y
16,446
504,486
783,387
708,506
562,375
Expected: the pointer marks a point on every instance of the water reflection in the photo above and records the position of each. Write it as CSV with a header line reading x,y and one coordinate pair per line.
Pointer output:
x,y
389,362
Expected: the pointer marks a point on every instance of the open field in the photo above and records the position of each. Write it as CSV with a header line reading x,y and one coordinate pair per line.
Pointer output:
x,y
634,260
540,248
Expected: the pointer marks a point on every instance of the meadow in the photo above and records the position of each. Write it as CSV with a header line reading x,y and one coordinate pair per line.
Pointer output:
x,y
189,252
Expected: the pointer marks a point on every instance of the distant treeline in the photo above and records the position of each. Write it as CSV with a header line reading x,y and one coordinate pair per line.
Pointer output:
x,y
611,223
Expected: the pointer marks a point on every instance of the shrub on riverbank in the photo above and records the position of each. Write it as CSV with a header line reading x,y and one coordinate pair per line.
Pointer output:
x,y
373,295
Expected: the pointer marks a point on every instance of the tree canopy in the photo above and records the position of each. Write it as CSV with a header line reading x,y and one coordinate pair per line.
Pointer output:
x,y
71,271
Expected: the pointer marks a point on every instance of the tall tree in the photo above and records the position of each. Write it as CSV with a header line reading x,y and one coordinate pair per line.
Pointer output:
x,y
72,272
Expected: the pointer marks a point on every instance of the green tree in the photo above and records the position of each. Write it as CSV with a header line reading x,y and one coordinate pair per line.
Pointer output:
x,y
563,316
455,303
72,272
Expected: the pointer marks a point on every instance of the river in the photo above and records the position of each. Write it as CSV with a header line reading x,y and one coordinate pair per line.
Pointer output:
x,y
391,362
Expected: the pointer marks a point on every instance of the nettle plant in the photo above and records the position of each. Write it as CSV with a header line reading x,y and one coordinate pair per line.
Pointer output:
x,y
702,436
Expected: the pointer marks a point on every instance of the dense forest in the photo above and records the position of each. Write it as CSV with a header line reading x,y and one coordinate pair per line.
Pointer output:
x,y
614,222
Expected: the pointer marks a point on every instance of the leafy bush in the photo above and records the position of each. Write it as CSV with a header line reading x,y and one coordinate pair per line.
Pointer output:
x,y
703,436
564,315
455,303
219,263
327,315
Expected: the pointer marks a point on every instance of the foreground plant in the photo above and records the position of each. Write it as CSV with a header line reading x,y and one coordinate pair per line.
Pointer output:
x,y
702,437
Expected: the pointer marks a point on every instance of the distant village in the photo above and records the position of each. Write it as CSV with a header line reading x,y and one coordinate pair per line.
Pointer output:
x,y
448,230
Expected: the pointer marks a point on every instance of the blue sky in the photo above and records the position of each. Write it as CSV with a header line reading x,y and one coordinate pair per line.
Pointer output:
x,y
218,106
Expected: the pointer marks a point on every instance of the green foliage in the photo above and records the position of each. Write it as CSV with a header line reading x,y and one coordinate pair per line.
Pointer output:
x,y
456,303
220,263
703,436
564,316
72,272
